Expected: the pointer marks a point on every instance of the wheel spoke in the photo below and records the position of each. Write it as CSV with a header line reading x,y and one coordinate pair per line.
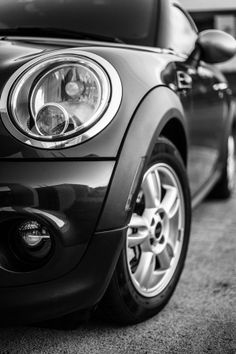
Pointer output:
x,y
170,202
145,269
150,214
138,231
135,239
164,259
138,222
152,190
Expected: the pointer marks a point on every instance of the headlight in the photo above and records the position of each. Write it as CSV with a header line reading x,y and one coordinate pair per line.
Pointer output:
x,y
64,100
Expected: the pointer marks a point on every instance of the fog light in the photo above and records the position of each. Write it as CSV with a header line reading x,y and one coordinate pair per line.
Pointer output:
x,y
33,234
33,242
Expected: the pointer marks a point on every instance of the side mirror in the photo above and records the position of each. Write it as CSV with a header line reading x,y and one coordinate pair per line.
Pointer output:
x,y
216,46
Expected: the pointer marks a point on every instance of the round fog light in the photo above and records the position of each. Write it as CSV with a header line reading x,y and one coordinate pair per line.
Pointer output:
x,y
33,243
33,234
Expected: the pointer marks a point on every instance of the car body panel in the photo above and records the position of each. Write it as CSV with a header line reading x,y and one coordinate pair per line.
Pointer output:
x,y
207,107
136,151
107,143
81,288
66,196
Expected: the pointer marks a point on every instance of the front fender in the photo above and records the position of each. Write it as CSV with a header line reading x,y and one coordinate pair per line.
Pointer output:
x,y
157,108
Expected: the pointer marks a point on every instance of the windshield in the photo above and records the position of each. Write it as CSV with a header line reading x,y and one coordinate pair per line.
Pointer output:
x,y
132,21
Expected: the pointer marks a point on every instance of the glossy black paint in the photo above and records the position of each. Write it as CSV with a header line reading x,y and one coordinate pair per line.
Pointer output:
x,y
216,46
136,84
81,288
136,152
208,109
85,193
67,196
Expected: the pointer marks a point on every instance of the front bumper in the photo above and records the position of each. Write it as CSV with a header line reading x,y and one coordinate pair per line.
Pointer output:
x,y
79,289
66,196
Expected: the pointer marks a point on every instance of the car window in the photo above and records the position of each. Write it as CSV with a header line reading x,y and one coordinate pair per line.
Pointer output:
x,y
183,32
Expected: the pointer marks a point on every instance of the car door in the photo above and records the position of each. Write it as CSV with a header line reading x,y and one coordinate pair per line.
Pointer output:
x,y
206,124
200,91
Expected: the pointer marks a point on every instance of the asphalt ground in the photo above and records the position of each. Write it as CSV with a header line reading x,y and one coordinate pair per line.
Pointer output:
x,y
200,318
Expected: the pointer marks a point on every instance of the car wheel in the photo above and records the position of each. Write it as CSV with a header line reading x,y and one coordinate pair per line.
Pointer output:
x,y
225,185
153,257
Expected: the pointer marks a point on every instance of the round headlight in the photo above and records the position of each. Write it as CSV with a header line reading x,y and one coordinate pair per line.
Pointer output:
x,y
68,99
61,100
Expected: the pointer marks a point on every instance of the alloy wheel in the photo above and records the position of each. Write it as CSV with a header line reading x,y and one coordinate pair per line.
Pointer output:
x,y
156,231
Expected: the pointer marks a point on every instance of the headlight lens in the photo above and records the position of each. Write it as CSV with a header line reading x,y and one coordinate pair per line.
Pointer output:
x,y
62,97
66,99
52,120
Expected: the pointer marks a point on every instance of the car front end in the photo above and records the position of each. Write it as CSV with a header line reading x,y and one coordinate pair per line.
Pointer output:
x,y
59,157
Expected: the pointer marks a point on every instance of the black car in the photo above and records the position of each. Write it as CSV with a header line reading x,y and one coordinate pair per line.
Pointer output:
x,y
113,126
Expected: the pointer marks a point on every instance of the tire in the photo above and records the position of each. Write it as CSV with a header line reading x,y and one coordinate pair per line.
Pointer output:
x,y
153,257
225,186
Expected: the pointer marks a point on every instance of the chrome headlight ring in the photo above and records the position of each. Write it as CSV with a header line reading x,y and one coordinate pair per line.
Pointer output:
x,y
25,111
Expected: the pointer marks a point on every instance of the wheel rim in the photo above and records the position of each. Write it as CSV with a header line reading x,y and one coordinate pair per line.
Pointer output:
x,y
231,163
156,231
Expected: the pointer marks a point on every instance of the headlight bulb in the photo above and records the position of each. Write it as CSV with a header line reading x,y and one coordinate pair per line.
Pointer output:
x,y
74,88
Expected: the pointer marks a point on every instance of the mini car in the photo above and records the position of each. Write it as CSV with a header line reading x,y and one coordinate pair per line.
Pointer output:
x,y
114,124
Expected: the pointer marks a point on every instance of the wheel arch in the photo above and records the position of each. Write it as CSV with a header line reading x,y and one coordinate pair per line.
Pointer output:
x,y
159,112
174,131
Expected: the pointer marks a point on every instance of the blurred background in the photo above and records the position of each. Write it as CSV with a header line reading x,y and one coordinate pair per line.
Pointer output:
x,y
218,14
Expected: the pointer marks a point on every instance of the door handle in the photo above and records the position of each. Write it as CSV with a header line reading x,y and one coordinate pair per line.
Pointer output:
x,y
184,80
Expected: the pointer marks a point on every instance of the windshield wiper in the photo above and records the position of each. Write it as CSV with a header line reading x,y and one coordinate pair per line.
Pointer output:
x,y
55,32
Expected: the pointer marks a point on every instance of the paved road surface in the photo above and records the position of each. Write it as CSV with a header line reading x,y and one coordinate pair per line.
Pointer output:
x,y
200,318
